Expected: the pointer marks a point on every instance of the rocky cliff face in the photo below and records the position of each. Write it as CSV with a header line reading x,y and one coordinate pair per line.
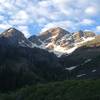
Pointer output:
x,y
14,37
49,36
60,41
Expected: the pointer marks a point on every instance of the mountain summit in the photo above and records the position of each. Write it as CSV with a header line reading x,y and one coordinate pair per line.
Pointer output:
x,y
11,32
52,34
14,37
57,31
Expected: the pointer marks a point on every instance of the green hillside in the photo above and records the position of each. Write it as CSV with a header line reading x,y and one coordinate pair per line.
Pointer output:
x,y
66,90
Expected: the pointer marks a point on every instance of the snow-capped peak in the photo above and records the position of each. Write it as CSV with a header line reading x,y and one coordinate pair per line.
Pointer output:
x,y
60,41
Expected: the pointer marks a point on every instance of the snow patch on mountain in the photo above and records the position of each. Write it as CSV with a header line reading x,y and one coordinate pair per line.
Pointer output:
x,y
71,68
94,70
11,29
85,40
80,75
71,49
59,51
86,61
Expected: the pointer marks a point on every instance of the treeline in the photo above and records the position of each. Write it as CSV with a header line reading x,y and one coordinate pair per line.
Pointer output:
x,y
66,90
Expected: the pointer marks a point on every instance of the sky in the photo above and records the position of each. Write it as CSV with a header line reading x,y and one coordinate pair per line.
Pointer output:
x,y
36,16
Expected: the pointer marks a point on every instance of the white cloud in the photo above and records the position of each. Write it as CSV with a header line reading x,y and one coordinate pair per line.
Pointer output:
x,y
16,22
21,15
97,28
2,17
62,24
63,6
4,26
87,30
87,22
91,10
7,5
20,18
21,3
41,21
24,29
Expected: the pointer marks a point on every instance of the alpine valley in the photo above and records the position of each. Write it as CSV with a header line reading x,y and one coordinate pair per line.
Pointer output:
x,y
53,61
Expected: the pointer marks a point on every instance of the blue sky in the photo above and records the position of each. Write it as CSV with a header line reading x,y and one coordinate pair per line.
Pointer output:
x,y
35,16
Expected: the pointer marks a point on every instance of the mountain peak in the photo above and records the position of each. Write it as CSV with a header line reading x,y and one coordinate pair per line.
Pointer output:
x,y
55,30
11,29
11,32
14,37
